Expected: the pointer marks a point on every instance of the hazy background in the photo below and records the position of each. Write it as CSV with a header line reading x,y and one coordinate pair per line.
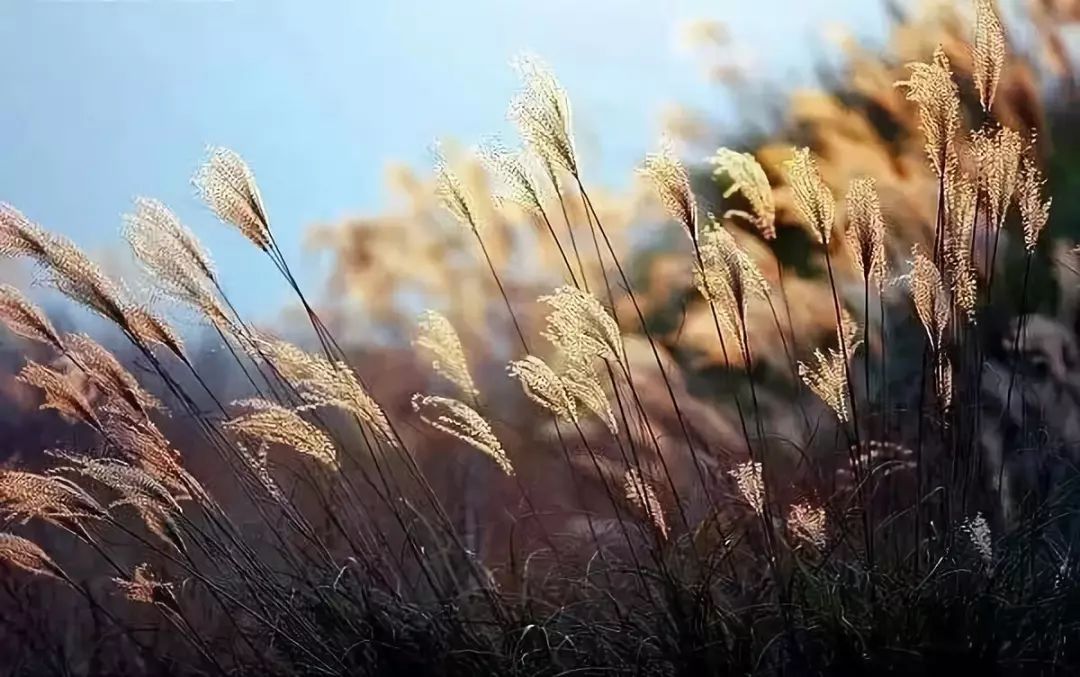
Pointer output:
x,y
107,100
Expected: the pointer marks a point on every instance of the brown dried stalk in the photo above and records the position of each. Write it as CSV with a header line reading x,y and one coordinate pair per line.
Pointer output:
x,y
640,493
748,178
813,200
270,423
672,184
228,187
459,420
438,337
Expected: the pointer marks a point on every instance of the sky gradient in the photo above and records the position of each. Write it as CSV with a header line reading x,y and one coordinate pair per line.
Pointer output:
x,y
108,100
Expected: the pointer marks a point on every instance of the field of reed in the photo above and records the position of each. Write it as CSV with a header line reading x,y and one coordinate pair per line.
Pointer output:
x,y
808,404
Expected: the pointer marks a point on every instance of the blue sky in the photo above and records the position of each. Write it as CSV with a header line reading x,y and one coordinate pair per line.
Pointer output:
x,y
105,100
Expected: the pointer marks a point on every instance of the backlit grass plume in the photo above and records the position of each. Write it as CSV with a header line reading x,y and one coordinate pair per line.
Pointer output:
x,y
110,377
865,233
581,327
60,393
1034,207
228,188
988,52
813,200
24,554
747,177
459,420
25,319
640,493
437,337
541,113
672,185
269,423
931,87
27,495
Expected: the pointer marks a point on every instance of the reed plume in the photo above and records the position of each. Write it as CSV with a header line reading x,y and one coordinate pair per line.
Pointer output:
x,y
25,319
960,201
580,327
459,420
108,375
672,185
828,380
143,445
228,188
931,87
813,200
640,494
747,177
929,296
988,52
1034,209
438,338
997,155
145,588
59,393
28,495
583,385
978,532
514,182
541,112
270,423
24,554
452,193
809,523
748,479
543,386
865,233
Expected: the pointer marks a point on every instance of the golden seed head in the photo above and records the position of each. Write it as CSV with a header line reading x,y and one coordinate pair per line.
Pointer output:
x,y
107,374
828,380
270,423
25,319
459,420
747,177
640,494
813,199
997,156
988,53
60,393
541,112
543,386
580,327
931,87
24,554
452,194
672,184
228,188
1034,210
439,339
928,293
28,496
513,179
751,485
865,233
145,588
960,199
728,278
808,523
582,385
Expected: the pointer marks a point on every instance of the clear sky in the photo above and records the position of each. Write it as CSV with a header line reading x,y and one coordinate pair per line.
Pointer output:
x,y
105,100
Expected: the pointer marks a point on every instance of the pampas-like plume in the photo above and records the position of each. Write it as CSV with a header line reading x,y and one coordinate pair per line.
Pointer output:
x,y
865,233
149,330
583,385
988,53
29,496
931,87
543,386
452,194
25,319
640,493
672,184
228,187
751,485
580,327
459,420
325,384
997,156
143,587
438,337
270,423
978,531
143,445
960,199
107,374
828,380
1034,210
515,184
541,113
809,523
21,237
174,259
813,200
60,393
747,177
929,295
24,554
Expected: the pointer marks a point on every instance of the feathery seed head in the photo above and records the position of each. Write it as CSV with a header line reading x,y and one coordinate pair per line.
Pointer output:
x,y
988,53
269,423
227,186
24,554
640,494
60,393
751,485
452,194
747,177
813,199
459,420
828,380
28,496
930,297
978,531
932,88
583,386
145,588
515,182
808,523
439,339
672,184
997,156
1034,210
866,231
543,386
25,319
107,374
541,112
580,327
